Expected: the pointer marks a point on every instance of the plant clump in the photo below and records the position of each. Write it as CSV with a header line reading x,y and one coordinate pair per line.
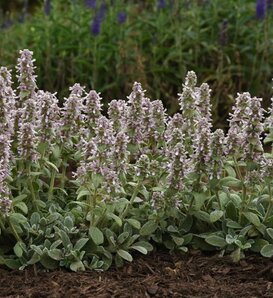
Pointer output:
x,y
84,190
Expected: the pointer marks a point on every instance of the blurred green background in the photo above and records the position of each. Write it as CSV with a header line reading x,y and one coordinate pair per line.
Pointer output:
x,y
107,45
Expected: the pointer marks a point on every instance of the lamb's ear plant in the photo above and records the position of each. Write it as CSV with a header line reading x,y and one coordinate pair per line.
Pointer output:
x,y
82,190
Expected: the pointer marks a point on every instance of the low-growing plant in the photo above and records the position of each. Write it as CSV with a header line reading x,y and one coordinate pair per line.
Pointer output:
x,y
83,190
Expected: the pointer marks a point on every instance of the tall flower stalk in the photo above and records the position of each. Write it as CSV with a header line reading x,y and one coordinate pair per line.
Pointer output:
x,y
156,127
26,103
72,114
236,122
5,201
217,162
8,95
72,118
188,106
6,127
5,192
6,119
177,168
174,130
135,117
202,147
235,136
117,112
48,124
92,110
104,157
48,128
252,132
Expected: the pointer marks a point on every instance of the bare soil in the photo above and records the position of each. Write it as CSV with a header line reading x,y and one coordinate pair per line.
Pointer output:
x,y
157,275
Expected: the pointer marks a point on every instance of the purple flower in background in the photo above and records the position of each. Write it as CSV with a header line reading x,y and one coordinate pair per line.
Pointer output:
x,y
102,11
90,3
47,7
95,26
161,4
99,17
122,17
260,9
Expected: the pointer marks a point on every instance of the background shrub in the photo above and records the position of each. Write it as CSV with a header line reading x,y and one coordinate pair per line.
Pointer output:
x,y
107,45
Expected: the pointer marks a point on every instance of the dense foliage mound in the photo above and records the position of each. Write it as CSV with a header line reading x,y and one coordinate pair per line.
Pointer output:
x,y
80,189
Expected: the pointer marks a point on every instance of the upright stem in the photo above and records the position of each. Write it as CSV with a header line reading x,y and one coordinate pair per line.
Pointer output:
x,y
239,174
191,202
237,169
101,218
2,226
41,159
63,179
126,210
197,188
63,167
270,205
92,204
33,195
218,199
20,170
14,232
51,186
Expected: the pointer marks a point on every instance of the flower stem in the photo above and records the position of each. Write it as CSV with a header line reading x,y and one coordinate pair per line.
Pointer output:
x,y
33,195
218,199
63,178
2,226
93,203
14,232
126,210
270,205
51,186
244,192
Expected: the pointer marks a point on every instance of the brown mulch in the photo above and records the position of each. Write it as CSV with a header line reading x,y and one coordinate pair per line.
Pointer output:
x,y
157,275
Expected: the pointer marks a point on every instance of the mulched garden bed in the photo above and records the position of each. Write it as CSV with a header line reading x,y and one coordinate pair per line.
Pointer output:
x,y
156,275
